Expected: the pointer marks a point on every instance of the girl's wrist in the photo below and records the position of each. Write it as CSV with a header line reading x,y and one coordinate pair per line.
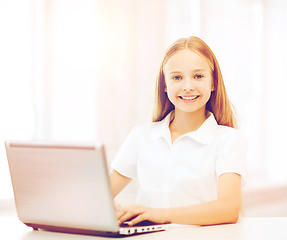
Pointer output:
x,y
166,215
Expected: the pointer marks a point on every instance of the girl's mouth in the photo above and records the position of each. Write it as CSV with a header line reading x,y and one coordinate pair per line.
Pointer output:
x,y
189,99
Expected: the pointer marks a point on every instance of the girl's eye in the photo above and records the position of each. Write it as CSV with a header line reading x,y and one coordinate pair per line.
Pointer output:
x,y
198,76
176,77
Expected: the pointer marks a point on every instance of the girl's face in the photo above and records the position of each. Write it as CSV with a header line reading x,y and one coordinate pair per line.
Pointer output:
x,y
188,81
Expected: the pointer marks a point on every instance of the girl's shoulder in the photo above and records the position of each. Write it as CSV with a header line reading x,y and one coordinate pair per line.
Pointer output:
x,y
146,127
227,134
228,130
147,130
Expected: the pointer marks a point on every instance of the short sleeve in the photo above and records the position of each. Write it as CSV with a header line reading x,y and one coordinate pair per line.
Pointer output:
x,y
231,155
125,161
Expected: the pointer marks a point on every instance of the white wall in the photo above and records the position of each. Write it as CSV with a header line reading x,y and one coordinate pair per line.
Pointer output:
x,y
85,70
16,79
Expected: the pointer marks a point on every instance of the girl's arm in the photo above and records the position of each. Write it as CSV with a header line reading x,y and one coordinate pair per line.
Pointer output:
x,y
118,182
223,210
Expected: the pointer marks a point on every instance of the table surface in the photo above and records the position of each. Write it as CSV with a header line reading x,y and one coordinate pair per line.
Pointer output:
x,y
246,228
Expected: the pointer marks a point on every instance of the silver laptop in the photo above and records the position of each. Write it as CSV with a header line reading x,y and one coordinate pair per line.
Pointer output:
x,y
65,187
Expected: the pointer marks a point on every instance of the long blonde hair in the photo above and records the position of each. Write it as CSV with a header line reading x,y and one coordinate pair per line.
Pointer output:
x,y
218,103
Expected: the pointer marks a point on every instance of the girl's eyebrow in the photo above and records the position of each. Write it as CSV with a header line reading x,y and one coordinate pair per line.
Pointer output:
x,y
200,70
194,70
173,72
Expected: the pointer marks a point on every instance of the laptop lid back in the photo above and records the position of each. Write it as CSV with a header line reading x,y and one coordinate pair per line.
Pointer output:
x,y
64,185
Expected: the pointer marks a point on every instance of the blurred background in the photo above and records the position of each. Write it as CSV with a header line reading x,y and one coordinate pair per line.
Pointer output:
x,y
85,70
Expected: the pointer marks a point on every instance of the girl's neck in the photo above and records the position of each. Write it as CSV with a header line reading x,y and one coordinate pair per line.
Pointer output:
x,y
184,122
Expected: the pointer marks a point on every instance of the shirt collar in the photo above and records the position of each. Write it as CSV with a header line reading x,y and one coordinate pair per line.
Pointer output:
x,y
202,135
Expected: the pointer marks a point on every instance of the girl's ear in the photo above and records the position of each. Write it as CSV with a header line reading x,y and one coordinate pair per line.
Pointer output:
x,y
212,88
165,88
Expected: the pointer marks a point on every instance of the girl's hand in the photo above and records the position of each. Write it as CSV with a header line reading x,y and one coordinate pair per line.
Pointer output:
x,y
117,206
139,213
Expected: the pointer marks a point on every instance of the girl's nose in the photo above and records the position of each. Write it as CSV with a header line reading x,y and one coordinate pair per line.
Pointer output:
x,y
188,86
188,89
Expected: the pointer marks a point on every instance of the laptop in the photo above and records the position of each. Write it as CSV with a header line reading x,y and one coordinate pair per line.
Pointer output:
x,y
64,187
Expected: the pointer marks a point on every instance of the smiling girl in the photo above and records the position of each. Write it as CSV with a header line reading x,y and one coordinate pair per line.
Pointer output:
x,y
189,162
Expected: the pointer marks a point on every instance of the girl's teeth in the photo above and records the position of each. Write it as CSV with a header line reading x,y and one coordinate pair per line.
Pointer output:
x,y
189,98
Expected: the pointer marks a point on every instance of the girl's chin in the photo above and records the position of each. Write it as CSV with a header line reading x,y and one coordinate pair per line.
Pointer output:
x,y
200,109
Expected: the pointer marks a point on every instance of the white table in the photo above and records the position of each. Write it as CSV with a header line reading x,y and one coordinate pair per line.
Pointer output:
x,y
246,228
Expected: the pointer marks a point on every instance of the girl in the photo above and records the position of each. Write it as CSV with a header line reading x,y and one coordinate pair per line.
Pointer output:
x,y
189,160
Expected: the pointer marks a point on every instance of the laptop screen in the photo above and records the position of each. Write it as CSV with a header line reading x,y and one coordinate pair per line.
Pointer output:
x,y
62,184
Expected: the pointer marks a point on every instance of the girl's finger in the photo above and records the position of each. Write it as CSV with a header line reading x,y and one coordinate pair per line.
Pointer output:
x,y
117,206
137,219
121,213
127,215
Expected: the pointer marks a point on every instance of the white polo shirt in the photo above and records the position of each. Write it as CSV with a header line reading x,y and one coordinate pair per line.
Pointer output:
x,y
183,173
